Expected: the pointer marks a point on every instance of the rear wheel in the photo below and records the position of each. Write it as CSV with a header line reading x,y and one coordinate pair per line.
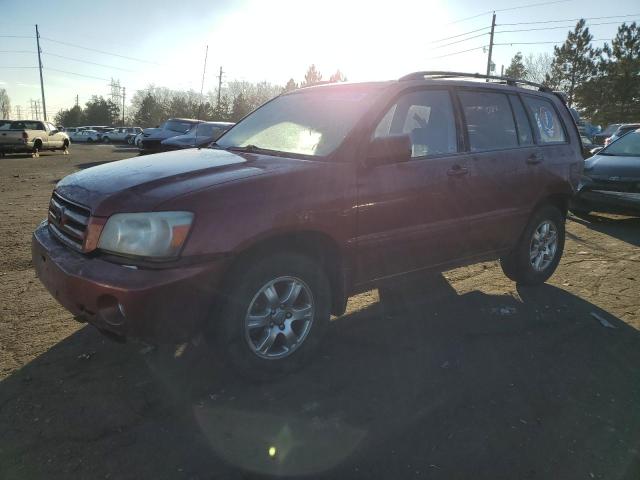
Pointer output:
x,y
538,252
89,140
276,313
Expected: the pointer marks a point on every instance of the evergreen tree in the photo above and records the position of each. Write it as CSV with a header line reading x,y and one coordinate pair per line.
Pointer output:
x,y
150,113
240,108
99,111
312,76
516,69
337,77
574,62
290,86
74,117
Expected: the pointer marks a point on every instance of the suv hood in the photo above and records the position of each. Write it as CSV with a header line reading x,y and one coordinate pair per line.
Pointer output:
x,y
605,166
142,183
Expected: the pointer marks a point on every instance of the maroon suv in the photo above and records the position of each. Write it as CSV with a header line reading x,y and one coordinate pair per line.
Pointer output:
x,y
319,194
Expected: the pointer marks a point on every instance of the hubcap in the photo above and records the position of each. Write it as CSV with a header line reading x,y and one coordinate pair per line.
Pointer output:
x,y
279,317
544,244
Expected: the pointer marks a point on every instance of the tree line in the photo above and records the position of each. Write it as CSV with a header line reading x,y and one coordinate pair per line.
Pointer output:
x,y
154,104
603,84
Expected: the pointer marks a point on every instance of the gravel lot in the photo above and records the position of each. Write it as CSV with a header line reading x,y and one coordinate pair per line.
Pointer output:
x,y
474,379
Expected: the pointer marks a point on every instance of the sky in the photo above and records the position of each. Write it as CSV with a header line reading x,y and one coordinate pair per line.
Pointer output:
x,y
163,43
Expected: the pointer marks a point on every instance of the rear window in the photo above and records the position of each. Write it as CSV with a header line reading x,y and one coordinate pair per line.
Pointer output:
x,y
26,125
525,134
545,119
489,121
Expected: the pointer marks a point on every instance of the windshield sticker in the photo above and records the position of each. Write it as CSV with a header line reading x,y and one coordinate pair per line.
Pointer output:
x,y
545,117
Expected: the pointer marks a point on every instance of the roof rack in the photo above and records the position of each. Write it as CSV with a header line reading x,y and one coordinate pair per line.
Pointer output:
x,y
436,74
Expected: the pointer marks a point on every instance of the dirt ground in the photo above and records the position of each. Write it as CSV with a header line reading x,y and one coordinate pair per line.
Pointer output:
x,y
473,379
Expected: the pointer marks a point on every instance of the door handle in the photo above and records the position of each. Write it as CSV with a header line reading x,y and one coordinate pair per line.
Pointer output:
x,y
457,171
535,158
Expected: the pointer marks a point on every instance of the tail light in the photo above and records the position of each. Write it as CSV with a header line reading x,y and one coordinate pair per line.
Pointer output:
x,y
25,136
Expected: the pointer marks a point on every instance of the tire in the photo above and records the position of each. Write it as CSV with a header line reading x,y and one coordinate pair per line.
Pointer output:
x,y
520,265
106,139
65,145
89,140
273,329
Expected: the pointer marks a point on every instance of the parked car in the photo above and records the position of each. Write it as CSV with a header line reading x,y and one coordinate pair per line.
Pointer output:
x,y
136,140
121,134
317,195
587,146
85,136
200,135
599,138
31,136
622,130
152,137
611,181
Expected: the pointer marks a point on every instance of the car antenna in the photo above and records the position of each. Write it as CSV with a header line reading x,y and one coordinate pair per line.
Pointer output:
x,y
204,70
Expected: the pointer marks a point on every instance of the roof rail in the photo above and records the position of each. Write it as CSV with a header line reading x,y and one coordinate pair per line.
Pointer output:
x,y
442,74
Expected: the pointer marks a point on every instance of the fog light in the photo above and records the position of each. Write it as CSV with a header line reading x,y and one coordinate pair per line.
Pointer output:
x,y
110,310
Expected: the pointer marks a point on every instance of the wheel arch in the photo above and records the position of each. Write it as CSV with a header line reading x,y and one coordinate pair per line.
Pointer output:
x,y
321,247
558,200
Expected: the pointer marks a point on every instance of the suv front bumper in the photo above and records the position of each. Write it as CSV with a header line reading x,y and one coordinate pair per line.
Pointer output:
x,y
156,305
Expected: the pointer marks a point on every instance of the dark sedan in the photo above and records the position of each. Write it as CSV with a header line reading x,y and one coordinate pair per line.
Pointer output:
x,y
611,181
200,135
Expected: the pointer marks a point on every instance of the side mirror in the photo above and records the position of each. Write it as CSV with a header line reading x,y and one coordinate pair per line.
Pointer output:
x,y
595,150
386,150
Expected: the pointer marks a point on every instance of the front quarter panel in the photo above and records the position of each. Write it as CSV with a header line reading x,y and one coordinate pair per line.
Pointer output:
x,y
232,217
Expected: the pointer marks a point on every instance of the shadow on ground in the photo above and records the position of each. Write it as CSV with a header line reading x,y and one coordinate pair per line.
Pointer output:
x,y
622,228
457,386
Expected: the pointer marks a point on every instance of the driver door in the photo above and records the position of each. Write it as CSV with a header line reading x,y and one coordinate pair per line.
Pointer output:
x,y
412,215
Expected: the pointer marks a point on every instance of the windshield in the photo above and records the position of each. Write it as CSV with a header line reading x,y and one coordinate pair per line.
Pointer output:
x,y
312,122
178,126
611,128
627,146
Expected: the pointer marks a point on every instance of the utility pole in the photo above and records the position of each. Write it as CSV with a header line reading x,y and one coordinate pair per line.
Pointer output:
x,y
36,103
124,92
18,112
502,71
33,114
219,85
493,26
44,105
76,99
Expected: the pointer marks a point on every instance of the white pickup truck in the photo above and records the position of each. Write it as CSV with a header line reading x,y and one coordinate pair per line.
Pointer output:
x,y
31,136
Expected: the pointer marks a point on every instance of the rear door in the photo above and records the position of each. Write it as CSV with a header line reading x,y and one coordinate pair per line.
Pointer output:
x,y
412,215
500,143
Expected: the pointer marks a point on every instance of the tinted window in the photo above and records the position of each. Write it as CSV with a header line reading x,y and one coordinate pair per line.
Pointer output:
x,y
546,120
525,135
427,117
27,125
489,121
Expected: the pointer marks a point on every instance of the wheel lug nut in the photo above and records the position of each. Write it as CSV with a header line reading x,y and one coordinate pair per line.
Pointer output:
x,y
281,327
288,315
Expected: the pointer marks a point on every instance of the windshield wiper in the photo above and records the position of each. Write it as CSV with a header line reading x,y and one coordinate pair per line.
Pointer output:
x,y
247,148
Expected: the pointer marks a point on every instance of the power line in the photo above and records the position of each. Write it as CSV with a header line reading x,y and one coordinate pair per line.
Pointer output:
x,y
458,53
86,61
17,36
507,9
459,35
554,28
568,20
99,51
543,43
460,41
18,51
76,74
15,67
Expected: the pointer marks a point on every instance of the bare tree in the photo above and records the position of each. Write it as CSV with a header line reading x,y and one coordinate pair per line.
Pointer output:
x,y
5,104
537,66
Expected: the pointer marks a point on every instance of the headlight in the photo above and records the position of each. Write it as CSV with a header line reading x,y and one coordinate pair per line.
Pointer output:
x,y
152,234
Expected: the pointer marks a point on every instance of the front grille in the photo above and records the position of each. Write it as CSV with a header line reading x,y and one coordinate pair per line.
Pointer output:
x,y
151,144
68,221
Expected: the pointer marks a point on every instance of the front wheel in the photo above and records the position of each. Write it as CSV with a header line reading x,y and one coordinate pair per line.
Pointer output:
x,y
538,252
275,315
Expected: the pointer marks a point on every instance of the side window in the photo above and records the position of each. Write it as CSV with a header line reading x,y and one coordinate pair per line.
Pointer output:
x,y
545,119
489,120
525,135
427,117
